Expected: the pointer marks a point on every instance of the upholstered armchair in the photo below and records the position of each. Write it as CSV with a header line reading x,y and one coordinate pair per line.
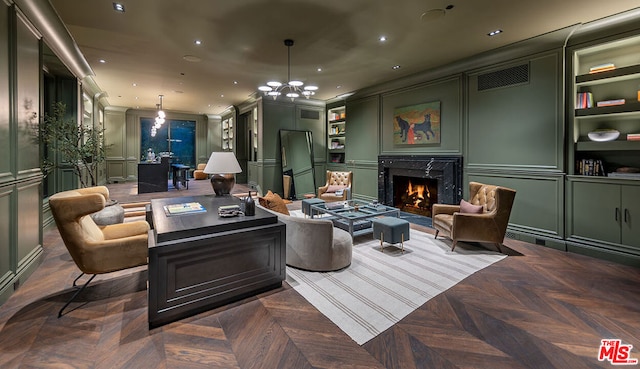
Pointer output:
x,y
96,250
483,219
337,188
199,172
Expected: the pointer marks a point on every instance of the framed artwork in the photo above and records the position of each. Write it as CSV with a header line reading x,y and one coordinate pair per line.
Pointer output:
x,y
417,124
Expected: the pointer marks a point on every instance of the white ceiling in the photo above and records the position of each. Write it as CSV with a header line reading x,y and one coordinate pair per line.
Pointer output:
x,y
242,42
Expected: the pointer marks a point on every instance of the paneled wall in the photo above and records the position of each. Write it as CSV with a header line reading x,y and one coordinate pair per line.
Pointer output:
x,y
274,115
20,175
122,137
508,133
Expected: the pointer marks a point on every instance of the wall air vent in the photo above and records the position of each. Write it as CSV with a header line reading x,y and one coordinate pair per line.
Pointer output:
x,y
505,77
309,114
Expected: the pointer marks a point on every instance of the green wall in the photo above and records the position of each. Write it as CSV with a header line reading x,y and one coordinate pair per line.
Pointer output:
x,y
509,134
20,175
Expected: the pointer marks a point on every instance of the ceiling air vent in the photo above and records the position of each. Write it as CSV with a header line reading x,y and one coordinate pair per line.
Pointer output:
x,y
309,114
505,77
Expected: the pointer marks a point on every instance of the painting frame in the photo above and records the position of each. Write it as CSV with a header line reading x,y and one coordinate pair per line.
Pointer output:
x,y
417,124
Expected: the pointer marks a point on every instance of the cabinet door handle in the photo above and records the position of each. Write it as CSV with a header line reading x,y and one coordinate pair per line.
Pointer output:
x,y
617,213
626,215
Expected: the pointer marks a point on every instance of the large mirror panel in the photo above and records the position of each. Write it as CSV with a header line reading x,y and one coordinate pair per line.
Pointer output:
x,y
296,153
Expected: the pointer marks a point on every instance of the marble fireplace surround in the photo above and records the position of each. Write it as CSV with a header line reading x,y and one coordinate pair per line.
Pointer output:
x,y
447,170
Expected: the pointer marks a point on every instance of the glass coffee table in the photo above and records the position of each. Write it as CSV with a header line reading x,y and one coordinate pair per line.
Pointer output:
x,y
354,216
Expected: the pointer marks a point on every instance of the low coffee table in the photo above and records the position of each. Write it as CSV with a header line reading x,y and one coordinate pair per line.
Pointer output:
x,y
354,216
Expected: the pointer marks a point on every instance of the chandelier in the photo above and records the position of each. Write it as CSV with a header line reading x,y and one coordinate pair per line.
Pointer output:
x,y
159,118
290,89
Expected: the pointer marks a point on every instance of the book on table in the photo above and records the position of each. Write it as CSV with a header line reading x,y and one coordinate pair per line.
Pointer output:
x,y
184,208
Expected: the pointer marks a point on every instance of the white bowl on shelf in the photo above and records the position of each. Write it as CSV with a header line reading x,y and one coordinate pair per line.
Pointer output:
x,y
601,135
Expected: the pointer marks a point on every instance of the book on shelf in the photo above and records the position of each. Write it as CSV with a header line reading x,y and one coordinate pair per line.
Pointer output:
x,y
633,136
584,100
624,175
602,68
590,167
610,102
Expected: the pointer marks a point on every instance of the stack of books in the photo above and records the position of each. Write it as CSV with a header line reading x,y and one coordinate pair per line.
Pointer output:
x,y
610,102
584,100
602,68
633,136
590,167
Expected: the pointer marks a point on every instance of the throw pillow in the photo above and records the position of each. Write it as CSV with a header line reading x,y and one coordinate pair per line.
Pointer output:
x,y
466,207
273,201
335,188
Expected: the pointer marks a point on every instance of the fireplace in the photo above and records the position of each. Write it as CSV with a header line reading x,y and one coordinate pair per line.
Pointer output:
x,y
413,183
415,195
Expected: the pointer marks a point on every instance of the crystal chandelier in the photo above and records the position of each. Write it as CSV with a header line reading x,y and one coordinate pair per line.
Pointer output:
x,y
291,89
159,118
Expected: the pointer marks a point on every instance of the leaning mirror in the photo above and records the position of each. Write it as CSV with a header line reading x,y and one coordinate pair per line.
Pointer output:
x,y
296,153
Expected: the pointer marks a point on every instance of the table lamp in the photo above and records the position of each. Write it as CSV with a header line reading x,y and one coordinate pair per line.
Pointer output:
x,y
222,166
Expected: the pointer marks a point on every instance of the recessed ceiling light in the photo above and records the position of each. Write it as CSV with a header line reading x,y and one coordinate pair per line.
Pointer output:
x,y
495,32
319,69
197,42
102,61
338,86
192,58
382,38
134,84
235,82
118,7
395,67
221,95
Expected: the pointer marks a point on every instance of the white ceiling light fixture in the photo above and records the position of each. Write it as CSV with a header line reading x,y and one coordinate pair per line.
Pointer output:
x,y
160,118
118,7
291,89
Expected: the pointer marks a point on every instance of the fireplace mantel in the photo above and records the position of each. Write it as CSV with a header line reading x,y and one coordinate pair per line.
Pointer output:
x,y
446,169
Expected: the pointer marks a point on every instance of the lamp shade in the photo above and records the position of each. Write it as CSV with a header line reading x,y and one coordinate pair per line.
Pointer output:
x,y
222,166
222,163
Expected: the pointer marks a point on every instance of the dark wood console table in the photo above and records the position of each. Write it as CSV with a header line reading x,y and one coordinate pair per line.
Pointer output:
x,y
201,261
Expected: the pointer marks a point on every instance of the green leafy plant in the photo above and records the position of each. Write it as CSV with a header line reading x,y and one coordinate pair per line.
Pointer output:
x,y
78,146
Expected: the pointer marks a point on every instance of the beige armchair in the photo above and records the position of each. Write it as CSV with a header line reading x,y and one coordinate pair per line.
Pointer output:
x,y
337,188
199,172
489,225
96,250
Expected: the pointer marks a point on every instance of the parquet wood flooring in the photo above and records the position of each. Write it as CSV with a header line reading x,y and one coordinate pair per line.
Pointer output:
x,y
537,308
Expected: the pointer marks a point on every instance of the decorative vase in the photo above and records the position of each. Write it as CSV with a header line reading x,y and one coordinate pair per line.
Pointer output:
x,y
249,205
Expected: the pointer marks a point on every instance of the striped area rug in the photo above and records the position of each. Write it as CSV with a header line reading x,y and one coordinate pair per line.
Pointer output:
x,y
381,288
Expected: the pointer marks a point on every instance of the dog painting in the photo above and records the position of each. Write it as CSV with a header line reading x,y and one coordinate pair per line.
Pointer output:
x,y
417,124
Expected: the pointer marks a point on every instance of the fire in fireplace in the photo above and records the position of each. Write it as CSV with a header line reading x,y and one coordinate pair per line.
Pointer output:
x,y
415,195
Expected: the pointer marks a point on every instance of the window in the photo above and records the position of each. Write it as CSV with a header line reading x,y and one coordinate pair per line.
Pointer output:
x,y
175,138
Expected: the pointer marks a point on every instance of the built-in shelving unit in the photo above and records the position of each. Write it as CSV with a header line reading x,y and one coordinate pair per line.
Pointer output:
x,y
227,134
336,134
601,205
622,82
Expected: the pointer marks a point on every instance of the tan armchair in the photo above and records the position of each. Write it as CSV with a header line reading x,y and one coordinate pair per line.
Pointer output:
x,y
199,172
96,250
490,225
337,188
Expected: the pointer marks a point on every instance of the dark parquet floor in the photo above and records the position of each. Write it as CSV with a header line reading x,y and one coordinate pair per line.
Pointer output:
x,y
537,308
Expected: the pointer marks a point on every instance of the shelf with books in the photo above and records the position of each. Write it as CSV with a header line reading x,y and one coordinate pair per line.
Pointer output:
x,y
336,134
606,86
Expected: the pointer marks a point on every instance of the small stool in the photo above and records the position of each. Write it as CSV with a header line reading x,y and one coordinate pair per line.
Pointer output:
x,y
306,205
390,230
